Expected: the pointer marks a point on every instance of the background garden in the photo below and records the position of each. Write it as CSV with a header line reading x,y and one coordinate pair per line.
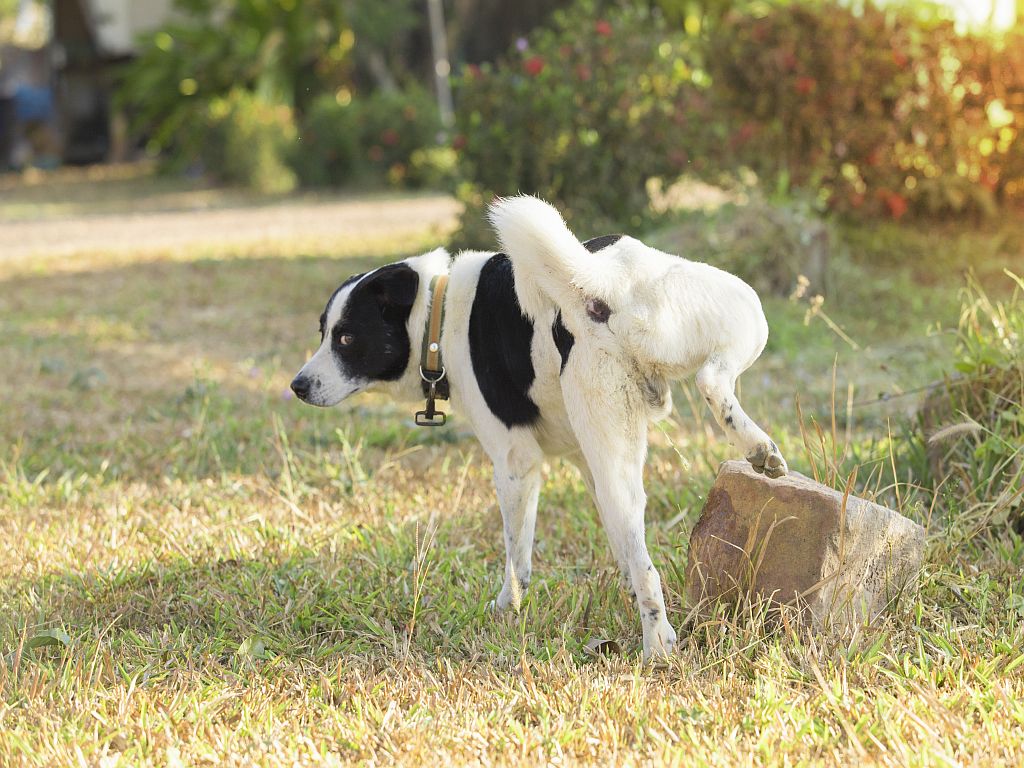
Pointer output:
x,y
195,568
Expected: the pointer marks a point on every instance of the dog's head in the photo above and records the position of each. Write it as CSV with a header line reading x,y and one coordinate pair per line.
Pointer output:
x,y
364,336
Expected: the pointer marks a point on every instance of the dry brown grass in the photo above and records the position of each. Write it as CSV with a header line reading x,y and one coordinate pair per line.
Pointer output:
x,y
229,578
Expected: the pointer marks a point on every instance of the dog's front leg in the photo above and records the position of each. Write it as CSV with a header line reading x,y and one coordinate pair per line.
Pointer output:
x,y
517,479
609,419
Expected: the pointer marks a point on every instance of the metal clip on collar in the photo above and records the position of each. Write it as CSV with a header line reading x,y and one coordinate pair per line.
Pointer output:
x,y
430,416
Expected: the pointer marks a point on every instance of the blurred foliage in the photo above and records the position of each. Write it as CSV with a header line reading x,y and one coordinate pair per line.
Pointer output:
x,y
770,244
584,114
287,51
868,111
897,113
249,141
376,135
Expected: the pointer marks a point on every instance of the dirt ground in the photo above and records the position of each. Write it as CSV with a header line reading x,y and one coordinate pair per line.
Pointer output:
x,y
316,223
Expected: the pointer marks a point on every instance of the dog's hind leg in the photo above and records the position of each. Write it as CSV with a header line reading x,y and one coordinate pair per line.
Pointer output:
x,y
609,419
716,381
517,478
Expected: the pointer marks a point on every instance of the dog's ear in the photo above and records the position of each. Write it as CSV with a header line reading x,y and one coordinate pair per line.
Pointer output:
x,y
394,285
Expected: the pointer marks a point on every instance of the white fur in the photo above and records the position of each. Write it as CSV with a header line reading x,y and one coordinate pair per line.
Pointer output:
x,y
669,318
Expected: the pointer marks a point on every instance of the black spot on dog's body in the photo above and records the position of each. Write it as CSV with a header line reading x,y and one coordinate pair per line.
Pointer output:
x,y
563,340
596,244
598,311
500,337
375,316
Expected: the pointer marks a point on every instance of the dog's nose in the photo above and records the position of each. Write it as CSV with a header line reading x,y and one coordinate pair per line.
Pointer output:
x,y
301,386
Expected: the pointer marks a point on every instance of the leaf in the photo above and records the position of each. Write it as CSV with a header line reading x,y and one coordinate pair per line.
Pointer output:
x,y
599,646
252,648
49,637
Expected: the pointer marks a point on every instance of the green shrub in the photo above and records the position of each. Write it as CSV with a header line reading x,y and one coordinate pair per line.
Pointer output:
x,y
328,152
877,110
249,142
583,115
393,126
870,111
382,136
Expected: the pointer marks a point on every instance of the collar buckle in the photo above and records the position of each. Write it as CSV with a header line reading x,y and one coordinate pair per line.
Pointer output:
x,y
430,416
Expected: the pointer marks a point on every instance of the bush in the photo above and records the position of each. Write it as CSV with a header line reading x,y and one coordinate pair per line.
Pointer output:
x,y
393,126
584,115
879,112
327,154
895,113
383,135
249,142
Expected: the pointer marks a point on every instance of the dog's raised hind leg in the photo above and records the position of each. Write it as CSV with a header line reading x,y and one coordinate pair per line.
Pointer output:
x,y
716,381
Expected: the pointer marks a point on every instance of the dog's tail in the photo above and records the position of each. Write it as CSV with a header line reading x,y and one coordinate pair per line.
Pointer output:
x,y
550,265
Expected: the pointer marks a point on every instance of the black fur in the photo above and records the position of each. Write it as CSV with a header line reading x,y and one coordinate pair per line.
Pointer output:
x,y
323,315
563,339
598,311
595,244
500,338
376,315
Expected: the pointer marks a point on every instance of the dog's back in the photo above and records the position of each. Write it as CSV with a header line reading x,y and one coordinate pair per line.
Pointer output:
x,y
665,312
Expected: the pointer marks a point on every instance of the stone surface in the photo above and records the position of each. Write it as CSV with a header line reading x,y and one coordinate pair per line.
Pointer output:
x,y
793,541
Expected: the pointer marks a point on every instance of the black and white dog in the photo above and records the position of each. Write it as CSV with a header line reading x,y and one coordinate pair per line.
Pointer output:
x,y
555,347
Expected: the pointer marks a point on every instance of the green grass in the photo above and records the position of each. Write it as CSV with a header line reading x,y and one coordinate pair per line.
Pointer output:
x,y
229,577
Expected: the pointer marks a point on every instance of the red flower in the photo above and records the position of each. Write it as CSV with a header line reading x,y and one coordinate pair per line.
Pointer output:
x,y
747,131
603,28
805,84
900,58
534,65
389,137
583,72
459,142
896,203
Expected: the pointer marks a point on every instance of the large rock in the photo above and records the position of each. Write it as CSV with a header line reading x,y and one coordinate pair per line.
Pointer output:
x,y
794,541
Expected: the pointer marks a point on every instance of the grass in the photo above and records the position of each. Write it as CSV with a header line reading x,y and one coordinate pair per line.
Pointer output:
x,y
196,569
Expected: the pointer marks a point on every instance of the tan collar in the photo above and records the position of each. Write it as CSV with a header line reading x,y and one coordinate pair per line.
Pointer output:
x,y
432,371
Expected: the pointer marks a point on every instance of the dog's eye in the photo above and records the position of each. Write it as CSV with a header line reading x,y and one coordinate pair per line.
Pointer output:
x,y
345,339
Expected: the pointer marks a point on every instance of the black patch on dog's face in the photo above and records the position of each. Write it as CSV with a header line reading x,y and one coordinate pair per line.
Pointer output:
x,y
596,244
500,338
563,340
323,315
375,316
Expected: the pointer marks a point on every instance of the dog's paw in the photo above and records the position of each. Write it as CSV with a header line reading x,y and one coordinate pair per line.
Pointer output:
x,y
659,642
767,459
